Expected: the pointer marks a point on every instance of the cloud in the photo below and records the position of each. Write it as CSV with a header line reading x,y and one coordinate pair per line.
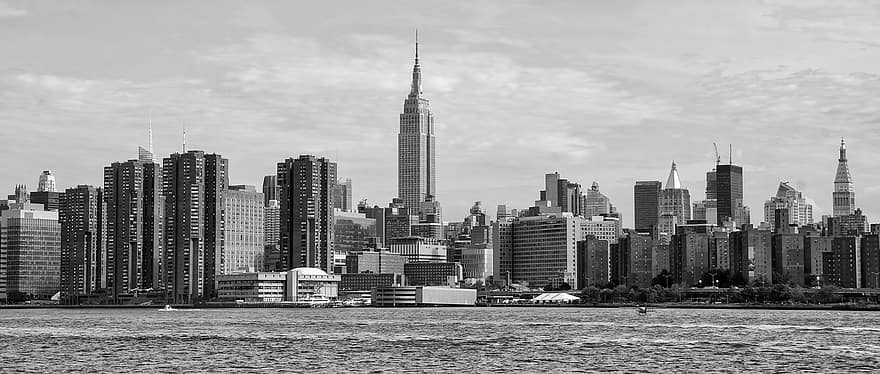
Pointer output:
x,y
7,11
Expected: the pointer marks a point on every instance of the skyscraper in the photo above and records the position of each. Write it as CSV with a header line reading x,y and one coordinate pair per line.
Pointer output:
x,y
132,226
416,147
80,219
342,195
729,191
47,182
306,212
844,195
270,189
244,233
675,202
272,244
30,251
800,211
596,203
646,195
193,186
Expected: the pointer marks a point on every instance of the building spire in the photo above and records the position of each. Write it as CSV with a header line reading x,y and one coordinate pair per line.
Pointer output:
x,y
416,89
184,138
842,149
151,133
673,182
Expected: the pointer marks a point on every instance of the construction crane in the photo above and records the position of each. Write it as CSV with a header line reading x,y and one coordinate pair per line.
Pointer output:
x,y
717,156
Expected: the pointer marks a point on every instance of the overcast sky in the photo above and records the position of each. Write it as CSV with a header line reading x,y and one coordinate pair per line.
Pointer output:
x,y
600,91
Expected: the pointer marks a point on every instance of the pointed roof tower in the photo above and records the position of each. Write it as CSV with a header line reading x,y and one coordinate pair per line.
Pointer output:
x,y
416,88
673,182
843,175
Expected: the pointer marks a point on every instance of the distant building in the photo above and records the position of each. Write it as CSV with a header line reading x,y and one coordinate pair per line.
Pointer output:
x,y
851,224
640,259
133,228
80,218
593,262
432,273
49,199
596,203
399,221
792,200
476,260
842,266
417,170
543,249
419,249
46,182
423,296
374,262
647,205
270,189
602,227
561,193
194,185
364,282
689,257
751,255
844,194
272,236
675,203
296,285
342,195
244,230
729,191
870,261
788,256
353,232
307,212
30,251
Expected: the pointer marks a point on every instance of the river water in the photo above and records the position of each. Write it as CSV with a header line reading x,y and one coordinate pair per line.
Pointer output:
x,y
437,340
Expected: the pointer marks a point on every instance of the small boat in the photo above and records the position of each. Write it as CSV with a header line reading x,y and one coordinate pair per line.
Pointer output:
x,y
167,308
642,309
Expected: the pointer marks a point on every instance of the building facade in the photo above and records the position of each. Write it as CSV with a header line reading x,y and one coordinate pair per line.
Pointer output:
x,y
30,252
844,195
244,230
193,186
416,145
81,221
646,197
307,212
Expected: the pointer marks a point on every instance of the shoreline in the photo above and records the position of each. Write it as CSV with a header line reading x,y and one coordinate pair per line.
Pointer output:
x,y
809,307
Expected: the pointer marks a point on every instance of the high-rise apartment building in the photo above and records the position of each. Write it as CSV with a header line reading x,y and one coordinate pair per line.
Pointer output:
x,y
80,218
272,236
194,185
416,145
244,230
306,212
132,221
646,195
844,194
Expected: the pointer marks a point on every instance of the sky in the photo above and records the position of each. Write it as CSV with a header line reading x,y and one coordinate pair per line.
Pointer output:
x,y
610,92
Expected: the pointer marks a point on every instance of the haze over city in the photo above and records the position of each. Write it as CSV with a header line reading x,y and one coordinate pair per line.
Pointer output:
x,y
605,92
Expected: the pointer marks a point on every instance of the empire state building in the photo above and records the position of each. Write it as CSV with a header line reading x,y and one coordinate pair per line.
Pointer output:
x,y
416,162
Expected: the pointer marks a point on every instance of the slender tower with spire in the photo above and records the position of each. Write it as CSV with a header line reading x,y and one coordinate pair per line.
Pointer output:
x,y
146,156
844,195
675,200
416,146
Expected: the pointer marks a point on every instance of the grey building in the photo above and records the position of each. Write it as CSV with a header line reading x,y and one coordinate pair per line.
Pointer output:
x,y
132,221
30,251
416,145
342,199
646,197
306,212
244,231
80,218
194,186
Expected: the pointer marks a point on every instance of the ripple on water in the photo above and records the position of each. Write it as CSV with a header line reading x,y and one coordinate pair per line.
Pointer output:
x,y
438,340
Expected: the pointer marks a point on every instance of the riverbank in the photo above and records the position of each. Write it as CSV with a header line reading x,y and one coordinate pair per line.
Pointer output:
x,y
842,307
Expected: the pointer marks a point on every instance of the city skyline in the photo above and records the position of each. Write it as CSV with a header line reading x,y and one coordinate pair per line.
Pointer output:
x,y
515,104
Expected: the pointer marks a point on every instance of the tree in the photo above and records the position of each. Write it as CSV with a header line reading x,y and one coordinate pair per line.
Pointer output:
x,y
797,295
780,293
721,276
606,294
621,292
828,294
591,293
662,279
